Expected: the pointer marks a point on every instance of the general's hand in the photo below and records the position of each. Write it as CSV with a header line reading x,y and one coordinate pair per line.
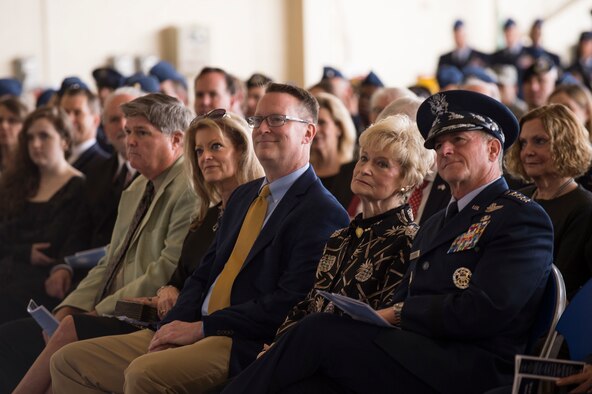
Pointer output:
x,y
266,347
167,297
58,283
387,314
38,257
176,333
584,380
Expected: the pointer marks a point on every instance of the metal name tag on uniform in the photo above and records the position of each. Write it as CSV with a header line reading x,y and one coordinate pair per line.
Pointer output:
x,y
469,239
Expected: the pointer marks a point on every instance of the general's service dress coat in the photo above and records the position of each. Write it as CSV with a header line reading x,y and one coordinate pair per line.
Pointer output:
x,y
472,290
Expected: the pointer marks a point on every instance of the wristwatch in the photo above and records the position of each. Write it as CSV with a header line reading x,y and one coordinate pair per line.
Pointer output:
x,y
397,308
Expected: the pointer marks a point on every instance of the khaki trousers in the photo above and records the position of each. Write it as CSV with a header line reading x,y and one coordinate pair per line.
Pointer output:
x,y
120,363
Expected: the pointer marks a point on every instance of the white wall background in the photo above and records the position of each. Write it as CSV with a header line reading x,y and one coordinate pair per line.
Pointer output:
x,y
399,39
72,37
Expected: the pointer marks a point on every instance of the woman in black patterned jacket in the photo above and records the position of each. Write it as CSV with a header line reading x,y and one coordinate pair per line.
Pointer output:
x,y
367,260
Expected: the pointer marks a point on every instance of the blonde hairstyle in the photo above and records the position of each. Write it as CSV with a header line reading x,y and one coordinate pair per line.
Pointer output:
x,y
581,96
399,136
236,129
569,144
343,120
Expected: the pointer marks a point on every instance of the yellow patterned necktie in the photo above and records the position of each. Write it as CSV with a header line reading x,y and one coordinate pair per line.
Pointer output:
x,y
220,297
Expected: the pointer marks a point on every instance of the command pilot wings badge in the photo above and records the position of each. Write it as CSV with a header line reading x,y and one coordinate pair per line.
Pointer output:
x,y
493,207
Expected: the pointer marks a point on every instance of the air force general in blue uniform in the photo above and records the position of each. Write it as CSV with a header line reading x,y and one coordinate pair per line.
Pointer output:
x,y
469,298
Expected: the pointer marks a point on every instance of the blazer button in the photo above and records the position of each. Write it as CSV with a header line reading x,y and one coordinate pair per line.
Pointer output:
x,y
425,265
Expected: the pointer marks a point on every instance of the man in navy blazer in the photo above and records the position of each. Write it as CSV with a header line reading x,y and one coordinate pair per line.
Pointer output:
x,y
83,109
193,350
467,303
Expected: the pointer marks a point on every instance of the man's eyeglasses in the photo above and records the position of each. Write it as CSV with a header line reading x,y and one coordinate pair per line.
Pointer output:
x,y
273,120
214,114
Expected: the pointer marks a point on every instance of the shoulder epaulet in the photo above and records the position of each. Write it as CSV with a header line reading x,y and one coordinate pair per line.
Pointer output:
x,y
516,196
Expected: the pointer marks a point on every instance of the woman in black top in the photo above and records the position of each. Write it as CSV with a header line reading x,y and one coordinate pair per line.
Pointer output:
x,y
553,149
40,201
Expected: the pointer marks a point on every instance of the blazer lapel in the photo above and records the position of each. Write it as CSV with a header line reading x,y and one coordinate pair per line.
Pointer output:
x,y
289,201
172,174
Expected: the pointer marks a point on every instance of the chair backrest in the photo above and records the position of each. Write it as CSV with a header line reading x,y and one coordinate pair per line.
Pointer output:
x,y
550,310
575,324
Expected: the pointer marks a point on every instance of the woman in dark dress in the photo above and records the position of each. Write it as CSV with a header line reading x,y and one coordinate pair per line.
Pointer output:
x,y
332,149
553,149
367,260
40,201
219,157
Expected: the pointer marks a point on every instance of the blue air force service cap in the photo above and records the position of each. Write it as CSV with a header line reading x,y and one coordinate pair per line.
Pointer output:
x,y
479,73
72,83
10,86
461,110
509,23
146,83
541,66
372,80
44,97
585,36
165,71
330,72
107,77
448,75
